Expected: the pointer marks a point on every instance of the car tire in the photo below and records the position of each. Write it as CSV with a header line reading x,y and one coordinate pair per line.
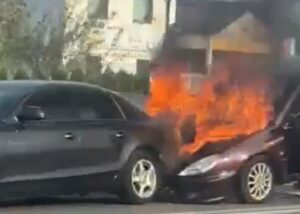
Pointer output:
x,y
138,186
256,181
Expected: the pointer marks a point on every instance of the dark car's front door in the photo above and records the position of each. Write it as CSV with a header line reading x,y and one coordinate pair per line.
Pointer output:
x,y
82,133
38,148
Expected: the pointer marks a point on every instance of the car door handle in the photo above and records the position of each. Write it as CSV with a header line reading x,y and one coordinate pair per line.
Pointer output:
x,y
119,135
69,136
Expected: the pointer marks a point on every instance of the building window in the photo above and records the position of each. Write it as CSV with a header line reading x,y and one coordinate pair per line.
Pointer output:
x,y
98,9
143,11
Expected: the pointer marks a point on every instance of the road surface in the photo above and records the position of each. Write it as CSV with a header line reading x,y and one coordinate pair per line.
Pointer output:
x,y
282,202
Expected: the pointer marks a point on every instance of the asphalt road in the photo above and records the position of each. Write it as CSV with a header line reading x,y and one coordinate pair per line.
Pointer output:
x,y
282,202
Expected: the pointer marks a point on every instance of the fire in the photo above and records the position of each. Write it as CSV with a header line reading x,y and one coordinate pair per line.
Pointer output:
x,y
230,103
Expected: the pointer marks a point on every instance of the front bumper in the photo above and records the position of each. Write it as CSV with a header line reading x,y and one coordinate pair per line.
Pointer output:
x,y
207,188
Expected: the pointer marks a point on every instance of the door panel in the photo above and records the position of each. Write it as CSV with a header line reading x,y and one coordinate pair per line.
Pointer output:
x,y
41,150
102,143
33,152
101,135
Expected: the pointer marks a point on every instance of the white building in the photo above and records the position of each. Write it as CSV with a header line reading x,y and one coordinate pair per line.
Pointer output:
x,y
121,33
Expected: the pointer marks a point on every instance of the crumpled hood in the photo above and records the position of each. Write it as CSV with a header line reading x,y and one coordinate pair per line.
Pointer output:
x,y
211,149
246,145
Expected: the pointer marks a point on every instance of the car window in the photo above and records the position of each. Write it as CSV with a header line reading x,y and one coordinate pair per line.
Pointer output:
x,y
72,103
131,111
55,102
92,104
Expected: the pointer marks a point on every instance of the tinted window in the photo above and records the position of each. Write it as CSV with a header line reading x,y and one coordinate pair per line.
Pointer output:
x,y
131,112
93,104
55,102
75,103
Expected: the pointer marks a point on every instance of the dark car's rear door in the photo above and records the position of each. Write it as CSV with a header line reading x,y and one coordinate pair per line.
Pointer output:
x,y
102,131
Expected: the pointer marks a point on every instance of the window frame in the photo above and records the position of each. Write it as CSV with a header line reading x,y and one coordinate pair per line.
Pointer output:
x,y
148,19
95,91
80,88
139,115
35,92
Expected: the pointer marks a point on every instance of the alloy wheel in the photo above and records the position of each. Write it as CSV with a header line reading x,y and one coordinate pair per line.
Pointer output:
x,y
259,181
144,178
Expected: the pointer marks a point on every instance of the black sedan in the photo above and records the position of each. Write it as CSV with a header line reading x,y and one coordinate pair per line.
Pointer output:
x,y
61,138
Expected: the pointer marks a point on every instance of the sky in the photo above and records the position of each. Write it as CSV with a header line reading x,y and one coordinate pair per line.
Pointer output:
x,y
53,8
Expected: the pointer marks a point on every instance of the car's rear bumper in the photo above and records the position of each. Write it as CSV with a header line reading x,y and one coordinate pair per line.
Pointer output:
x,y
205,188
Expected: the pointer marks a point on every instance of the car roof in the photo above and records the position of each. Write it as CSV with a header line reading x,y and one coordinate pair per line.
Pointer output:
x,y
39,83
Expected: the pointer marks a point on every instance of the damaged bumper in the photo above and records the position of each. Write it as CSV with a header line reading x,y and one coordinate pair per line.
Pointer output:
x,y
207,188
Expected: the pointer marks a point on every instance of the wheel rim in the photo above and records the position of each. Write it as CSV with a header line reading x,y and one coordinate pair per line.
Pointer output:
x,y
260,180
143,179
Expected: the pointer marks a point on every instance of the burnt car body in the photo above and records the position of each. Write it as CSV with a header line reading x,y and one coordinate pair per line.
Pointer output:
x,y
223,170
62,138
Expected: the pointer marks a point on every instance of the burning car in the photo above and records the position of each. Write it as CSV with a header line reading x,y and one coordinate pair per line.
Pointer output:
x,y
237,136
246,167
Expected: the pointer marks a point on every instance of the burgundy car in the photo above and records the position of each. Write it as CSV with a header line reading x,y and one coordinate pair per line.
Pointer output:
x,y
247,167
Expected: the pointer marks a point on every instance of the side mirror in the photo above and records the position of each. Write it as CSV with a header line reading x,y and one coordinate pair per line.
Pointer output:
x,y
31,113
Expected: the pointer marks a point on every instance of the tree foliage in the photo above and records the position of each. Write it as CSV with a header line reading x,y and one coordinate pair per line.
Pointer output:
x,y
14,37
27,51
30,51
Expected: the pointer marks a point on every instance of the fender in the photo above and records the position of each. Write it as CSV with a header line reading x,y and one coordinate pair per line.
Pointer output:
x,y
129,146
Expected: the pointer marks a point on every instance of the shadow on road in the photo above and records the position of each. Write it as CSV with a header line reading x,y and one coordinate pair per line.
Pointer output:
x,y
279,195
59,200
41,201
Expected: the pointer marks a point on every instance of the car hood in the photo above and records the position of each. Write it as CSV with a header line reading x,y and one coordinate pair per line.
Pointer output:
x,y
240,147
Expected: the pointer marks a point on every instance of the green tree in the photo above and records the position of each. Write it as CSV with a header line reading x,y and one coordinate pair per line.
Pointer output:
x,y
108,79
26,51
15,41
124,81
20,74
59,73
77,75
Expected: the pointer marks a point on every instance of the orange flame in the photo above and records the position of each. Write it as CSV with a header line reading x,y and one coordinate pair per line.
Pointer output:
x,y
229,104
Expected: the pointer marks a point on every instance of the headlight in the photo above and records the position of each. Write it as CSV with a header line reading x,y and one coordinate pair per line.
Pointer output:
x,y
201,166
